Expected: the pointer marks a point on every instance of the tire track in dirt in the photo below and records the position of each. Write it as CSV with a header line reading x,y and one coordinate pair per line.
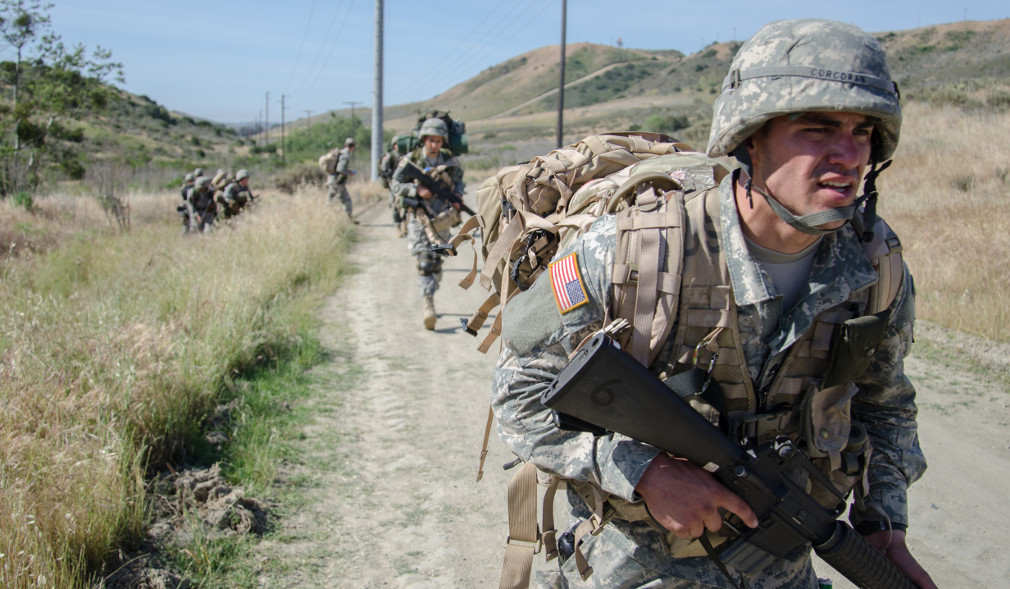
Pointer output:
x,y
390,458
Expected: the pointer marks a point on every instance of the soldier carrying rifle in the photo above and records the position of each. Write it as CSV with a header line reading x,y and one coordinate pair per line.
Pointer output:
x,y
788,277
433,212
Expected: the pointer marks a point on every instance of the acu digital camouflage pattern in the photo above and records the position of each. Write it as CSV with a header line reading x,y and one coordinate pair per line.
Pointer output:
x,y
801,66
418,241
335,182
538,341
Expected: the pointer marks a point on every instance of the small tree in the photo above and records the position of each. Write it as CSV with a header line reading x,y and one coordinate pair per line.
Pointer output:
x,y
49,84
108,182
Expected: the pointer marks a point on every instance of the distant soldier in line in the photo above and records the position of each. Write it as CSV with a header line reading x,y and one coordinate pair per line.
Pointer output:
x,y
336,164
197,173
432,221
183,208
387,166
202,209
235,195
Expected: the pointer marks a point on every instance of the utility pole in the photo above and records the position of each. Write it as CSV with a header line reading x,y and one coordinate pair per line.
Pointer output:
x,y
284,153
352,103
561,82
377,137
266,125
308,119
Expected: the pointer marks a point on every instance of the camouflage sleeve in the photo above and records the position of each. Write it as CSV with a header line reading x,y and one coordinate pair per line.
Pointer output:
x,y
400,185
537,342
343,161
885,404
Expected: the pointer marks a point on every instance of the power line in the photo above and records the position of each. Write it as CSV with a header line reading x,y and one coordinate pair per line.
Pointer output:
x,y
298,55
509,31
332,47
453,51
315,60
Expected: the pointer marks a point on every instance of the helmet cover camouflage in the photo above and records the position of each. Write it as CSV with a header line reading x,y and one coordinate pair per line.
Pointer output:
x,y
189,177
806,65
433,126
202,182
349,142
198,172
241,175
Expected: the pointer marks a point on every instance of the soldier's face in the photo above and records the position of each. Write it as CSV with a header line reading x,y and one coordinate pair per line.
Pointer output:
x,y
432,143
813,162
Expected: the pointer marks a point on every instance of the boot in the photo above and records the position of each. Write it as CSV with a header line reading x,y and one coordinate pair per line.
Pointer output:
x,y
428,303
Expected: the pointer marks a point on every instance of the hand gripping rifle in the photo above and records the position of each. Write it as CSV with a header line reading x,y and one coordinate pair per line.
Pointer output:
x,y
413,172
604,389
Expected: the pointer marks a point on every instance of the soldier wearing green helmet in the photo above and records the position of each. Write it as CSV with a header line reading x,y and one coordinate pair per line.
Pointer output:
x,y
201,206
337,165
236,195
785,262
431,223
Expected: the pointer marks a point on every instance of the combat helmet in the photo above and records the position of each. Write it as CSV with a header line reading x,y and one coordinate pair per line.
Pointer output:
x,y
202,182
807,65
349,142
189,177
433,126
241,174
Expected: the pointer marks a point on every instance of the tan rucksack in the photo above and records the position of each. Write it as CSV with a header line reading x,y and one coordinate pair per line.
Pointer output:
x,y
526,211
328,161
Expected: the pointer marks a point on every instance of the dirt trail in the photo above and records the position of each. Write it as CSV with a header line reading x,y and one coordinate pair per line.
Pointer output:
x,y
388,464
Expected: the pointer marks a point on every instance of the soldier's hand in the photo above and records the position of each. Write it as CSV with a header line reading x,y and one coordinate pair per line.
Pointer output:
x,y
424,193
892,544
685,499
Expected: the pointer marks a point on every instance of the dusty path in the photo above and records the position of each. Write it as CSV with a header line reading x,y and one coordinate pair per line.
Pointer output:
x,y
388,464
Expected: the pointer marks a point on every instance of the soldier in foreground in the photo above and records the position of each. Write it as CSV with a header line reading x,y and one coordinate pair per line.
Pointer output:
x,y
432,216
336,164
201,206
236,195
809,110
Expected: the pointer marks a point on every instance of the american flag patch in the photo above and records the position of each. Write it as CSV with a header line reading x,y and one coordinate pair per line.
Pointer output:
x,y
567,284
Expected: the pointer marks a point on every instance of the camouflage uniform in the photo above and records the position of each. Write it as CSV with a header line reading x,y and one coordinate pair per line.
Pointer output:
x,y
183,208
538,340
418,240
202,208
236,195
338,178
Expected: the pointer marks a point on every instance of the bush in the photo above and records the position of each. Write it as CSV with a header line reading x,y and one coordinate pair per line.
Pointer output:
x,y
23,199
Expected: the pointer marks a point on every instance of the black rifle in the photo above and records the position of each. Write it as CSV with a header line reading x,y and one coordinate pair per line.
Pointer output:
x,y
413,172
604,389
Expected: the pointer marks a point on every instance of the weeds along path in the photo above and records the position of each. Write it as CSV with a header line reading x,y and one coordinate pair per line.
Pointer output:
x,y
388,466
385,472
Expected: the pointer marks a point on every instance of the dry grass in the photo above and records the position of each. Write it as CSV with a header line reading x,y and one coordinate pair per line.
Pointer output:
x,y
113,348
947,196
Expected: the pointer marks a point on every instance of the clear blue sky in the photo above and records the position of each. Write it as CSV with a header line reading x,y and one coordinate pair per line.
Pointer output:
x,y
217,60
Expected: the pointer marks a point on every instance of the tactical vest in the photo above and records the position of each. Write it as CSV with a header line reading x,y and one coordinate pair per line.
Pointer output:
x,y
808,400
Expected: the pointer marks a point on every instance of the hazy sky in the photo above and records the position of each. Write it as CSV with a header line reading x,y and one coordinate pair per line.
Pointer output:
x,y
217,60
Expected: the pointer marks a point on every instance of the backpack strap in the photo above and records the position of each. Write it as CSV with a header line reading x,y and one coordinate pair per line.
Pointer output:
x,y
525,539
884,252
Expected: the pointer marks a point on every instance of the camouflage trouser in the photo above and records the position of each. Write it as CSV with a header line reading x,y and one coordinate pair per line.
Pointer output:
x,y
626,554
338,190
420,246
202,222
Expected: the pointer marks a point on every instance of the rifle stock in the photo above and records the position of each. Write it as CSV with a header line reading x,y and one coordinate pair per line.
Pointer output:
x,y
607,388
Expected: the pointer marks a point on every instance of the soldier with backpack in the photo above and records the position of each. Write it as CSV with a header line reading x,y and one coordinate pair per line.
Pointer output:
x,y
336,165
236,195
387,166
780,283
201,206
183,208
433,217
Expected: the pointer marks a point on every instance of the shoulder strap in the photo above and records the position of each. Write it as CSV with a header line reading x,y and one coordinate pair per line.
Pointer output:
x,y
884,252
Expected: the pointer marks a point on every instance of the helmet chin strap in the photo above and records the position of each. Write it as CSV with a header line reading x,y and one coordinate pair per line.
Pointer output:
x,y
810,224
